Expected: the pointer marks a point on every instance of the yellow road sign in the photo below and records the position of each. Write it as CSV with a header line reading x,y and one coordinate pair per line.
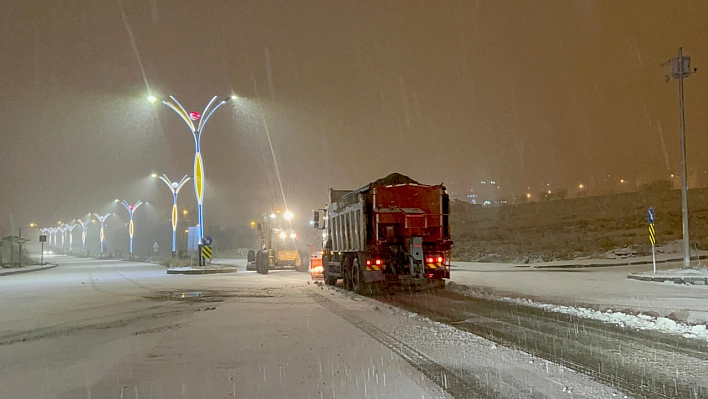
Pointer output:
x,y
652,234
206,252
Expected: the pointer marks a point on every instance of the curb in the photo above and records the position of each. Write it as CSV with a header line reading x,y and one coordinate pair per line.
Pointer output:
x,y
675,279
203,271
629,263
39,269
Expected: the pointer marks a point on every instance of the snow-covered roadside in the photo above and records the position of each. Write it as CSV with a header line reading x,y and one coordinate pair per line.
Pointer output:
x,y
639,321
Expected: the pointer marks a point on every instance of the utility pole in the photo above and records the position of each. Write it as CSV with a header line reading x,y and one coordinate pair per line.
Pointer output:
x,y
680,69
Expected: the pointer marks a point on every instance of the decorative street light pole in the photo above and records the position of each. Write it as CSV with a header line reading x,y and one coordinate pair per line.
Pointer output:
x,y
62,229
70,227
131,209
84,227
102,219
174,188
189,118
48,231
54,230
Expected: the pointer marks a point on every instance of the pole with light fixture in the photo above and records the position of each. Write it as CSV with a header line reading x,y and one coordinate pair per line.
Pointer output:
x,y
189,118
102,219
84,228
70,228
174,188
131,228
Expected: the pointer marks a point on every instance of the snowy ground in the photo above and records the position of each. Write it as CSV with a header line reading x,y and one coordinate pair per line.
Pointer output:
x,y
599,289
111,329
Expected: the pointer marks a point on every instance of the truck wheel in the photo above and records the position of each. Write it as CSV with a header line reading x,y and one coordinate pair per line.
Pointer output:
x,y
262,263
266,266
347,273
357,278
259,262
329,280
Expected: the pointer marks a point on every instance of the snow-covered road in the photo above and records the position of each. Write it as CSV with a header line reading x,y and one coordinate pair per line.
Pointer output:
x,y
111,329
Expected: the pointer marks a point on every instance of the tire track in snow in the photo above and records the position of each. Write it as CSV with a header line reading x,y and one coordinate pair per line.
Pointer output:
x,y
626,359
453,384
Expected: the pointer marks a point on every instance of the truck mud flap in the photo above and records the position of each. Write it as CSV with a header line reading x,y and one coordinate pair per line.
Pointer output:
x,y
374,276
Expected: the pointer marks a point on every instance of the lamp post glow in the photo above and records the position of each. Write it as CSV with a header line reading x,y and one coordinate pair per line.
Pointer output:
x,y
174,188
102,219
70,228
131,209
189,118
84,227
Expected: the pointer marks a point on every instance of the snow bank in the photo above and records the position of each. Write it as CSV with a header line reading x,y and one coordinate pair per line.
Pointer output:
x,y
639,322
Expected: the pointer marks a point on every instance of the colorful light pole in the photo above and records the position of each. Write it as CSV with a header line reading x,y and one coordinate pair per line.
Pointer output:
x,y
131,209
84,227
52,236
102,219
189,118
174,188
62,229
70,228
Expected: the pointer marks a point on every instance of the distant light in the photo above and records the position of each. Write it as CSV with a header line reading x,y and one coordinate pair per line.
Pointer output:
x,y
288,215
580,186
293,235
621,180
283,235
234,97
549,191
154,175
528,195
185,212
152,99
272,216
312,222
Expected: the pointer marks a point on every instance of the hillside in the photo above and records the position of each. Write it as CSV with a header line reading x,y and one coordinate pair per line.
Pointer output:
x,y
572,228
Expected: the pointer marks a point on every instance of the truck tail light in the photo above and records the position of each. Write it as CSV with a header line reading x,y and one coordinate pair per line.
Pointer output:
x,y
430,260
440,259
368,262
378,262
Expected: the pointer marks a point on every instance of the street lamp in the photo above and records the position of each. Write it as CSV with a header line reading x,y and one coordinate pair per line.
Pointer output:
x,y
52,236
131,209
84,226
62,229
189,118
288,215
174,188
70,228
102,219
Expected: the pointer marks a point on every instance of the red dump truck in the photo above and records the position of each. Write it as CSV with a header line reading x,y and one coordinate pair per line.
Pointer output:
x,y
390,232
